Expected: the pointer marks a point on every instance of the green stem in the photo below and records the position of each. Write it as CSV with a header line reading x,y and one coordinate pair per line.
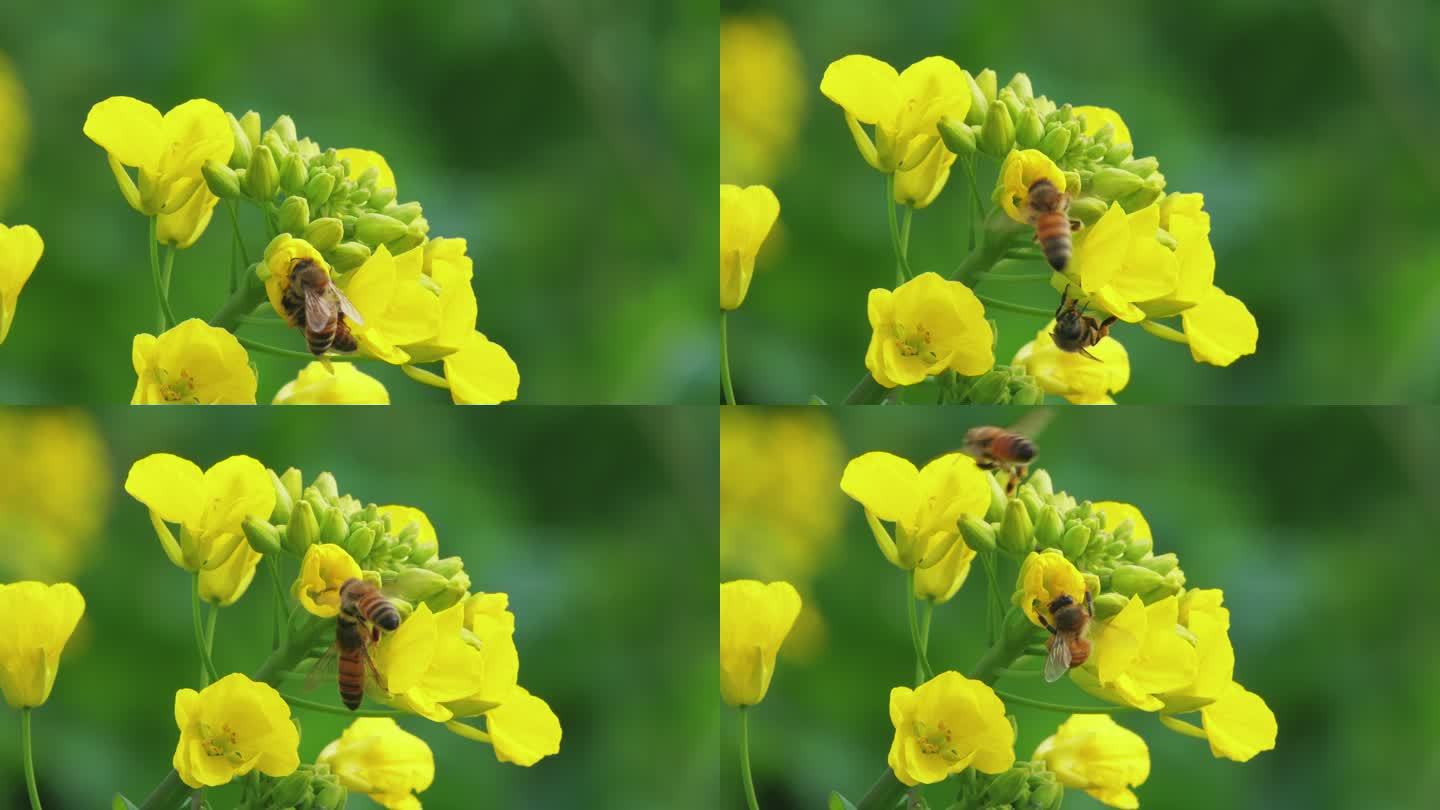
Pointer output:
x,y
167,269
1017,277
212,612
239,241
167,318
996,303
745,760
921,661
882,795
29,755
969,165
1059,707
277,607
905,232
314,706
927,610
725,383
1015,634
902,263
266,348
978,204
208,675
1007,672
1164,332
242,302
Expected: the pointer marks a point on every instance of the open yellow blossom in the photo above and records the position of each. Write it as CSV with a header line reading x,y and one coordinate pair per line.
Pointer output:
x,y
324,569
1137,655
491,629
341,384
361,160
926,326
40,618
226,583
1093,753
1021,170
1080,379
918,187
758,129
232,727
167,150
20,250
746,217
1044,577
187,224
1220,329
445,263
945,725
1119,261
1238,724
924,505
398,307
523,729
941,581
1097,117
754,620
376,757
904,107
427,663
209,506
1184,218
15,135
481,373
193,363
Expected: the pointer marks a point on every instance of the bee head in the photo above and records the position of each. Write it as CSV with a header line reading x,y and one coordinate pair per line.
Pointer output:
x,y
1044,196
1068,328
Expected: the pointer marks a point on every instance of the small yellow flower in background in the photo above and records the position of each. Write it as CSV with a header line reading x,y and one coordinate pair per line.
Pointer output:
x,y
523,730
945,725
1080,379
481,373
427,663
923,504
925,326
918,187
50,517
225,584
1021,170
1137,655
755,618
346,385
1097,117
20,250
941,581
762,96
209,506
905,107
746,217
1119,262
376,757
193,363
41,618
15,135
1220,329
362,160
230,728
1093,753
167,150
1044,577
324,569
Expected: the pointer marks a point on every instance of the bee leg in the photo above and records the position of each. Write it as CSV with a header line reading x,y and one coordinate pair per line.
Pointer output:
x,y
1046,624
1089,602
1076,225
1086,352
1012,485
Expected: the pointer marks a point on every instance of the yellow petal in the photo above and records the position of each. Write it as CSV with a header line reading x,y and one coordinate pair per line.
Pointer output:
x,y
1239,724
884,484
129,129
43,617
1021,170
341,384
1220,329
481,373
755,618
865,87
746,217
362,159
169,485
20,251
1100,250
523,729
1097,117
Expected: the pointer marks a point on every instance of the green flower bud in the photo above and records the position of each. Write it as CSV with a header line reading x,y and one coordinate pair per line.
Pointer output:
x,y
303,529
405,212
1033,504
1118,153
957,136
1153,190
327,486
1111,183
404,243
262,179
419,584
334,528
1028,393
262,536
381,197
221,180
1163,237
1115,549
324,233
1017,532
1029,130
1041,481
979,104
987,81
1047,796
250,126
1137,548
359,542
1055,142
283,500
359,197
1108,604
1048,528
1012,103
422,555
1133,579
998,499
240,153
1092,583
997,135
448,567
1161,564
1020,85
1124,531
978,535
349,255
1141,167
294,215
318,188
329,797
284,129
293,174
1088,209
1006,788
1074,542
1074,180
988,388
276,145
288,791
375,229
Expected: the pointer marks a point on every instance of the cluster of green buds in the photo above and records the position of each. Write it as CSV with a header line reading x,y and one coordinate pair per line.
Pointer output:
x,y
1001,385
1099,162
320,195
310,787
410,569
1026,786
1116,561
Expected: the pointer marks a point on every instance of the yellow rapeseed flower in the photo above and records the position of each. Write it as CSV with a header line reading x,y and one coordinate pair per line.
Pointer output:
x,y
324,569
230,728
361,160
193,363
754,620
481,373
925,326
376,757
20,250
402,516
746,217
40,618
1113,513
50,517
209,506
1080,379
427,663
445,263
15,135
167,150
1093,753
762,96
341,384
923,504
1097,117
1137,655
489,626
1184,218
918,187
398,307
225,584
941,581
1220,328
1238,724
946,725
1119,262
523,730
1044,577
1021,170
905,107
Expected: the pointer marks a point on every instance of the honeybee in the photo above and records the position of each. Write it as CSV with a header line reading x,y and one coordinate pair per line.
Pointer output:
x,y
315,305
996,448
1076,331
1068,645
364,612
1048,212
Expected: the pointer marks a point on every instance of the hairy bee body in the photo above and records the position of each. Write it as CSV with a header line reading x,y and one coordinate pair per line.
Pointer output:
x,y
364,611
315,306
1068,646
996,448
1075,331
1049,213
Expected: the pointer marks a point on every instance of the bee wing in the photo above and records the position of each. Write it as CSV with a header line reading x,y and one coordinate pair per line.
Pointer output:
x,y
348,309
1057,662
320,310
370,663
327,668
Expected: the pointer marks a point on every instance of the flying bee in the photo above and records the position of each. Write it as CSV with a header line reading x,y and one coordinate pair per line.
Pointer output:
x,y
1068,645
314,305
364,613
996,448
1077,332
1049,209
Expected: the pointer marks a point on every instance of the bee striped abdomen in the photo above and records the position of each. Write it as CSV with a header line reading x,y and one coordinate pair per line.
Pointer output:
x,y
1052,231
1013,447
377,610
350,664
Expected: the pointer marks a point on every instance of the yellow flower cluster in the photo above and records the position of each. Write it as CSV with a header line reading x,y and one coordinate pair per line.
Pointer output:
x,y
758,129
51,516
925,507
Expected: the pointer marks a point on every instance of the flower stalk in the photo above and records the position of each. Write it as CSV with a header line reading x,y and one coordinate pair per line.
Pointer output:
x,y
29,753
745,760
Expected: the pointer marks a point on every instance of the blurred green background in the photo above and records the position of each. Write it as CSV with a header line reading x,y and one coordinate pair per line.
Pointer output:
x,y
1304,123
1316,522
595,521
569,143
